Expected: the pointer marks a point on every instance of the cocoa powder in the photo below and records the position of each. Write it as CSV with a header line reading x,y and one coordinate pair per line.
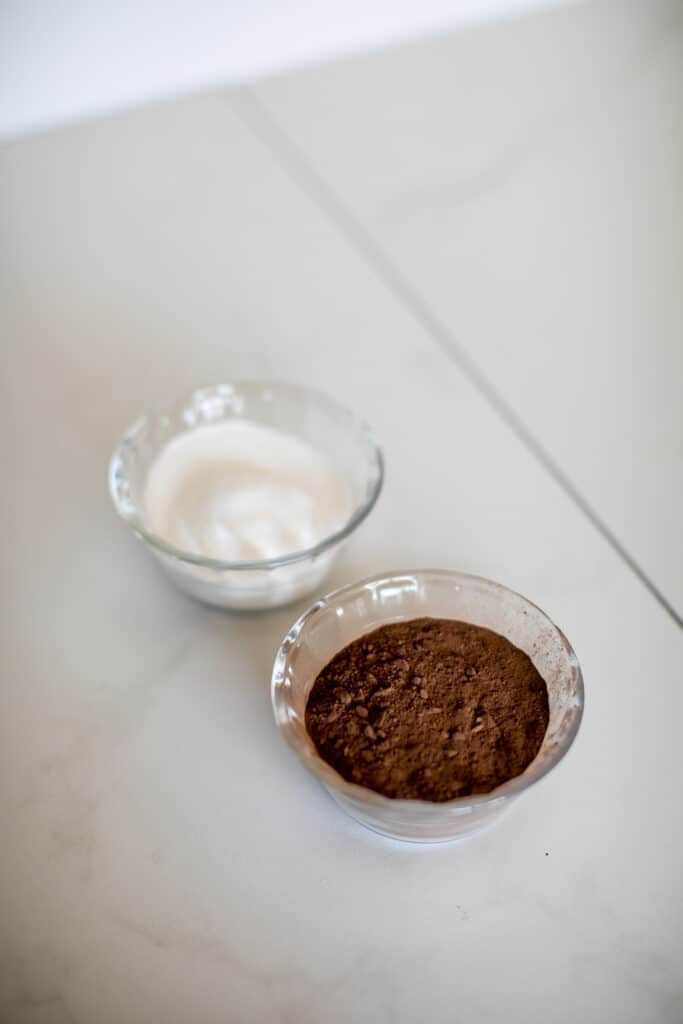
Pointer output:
x,y
430,709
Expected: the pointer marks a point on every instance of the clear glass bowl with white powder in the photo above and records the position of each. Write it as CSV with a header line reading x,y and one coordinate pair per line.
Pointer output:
x,y
245,492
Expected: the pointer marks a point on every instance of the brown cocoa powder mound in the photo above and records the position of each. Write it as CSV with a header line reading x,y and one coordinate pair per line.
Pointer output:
x,y
429,709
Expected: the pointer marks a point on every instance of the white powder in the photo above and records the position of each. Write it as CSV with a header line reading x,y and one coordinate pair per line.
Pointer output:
x,y
240,491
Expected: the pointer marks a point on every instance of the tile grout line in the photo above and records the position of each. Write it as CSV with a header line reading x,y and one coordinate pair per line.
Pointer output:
x,y
295,164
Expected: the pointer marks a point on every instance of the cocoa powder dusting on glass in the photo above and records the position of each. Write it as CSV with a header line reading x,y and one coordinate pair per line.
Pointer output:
x,y
430,709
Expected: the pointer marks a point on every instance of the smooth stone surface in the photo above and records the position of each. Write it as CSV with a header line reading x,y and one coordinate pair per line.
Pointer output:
x,y
162,855
526,179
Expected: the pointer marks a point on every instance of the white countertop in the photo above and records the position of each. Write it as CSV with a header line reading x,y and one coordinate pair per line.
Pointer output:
x,y
476,242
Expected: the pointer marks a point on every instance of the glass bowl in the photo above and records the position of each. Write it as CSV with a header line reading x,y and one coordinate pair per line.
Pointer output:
x,y
346,440
347,614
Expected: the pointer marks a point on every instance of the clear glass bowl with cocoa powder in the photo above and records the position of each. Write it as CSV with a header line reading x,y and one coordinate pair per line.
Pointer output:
x,y
358,609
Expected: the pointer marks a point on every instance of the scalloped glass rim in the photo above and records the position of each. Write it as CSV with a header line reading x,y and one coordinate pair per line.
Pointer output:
x,y
360,795
130,514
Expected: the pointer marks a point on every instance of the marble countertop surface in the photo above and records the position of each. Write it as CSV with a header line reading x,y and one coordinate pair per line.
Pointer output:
x,y
476,242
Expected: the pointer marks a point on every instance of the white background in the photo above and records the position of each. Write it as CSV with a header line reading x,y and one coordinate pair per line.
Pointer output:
x,y
66,59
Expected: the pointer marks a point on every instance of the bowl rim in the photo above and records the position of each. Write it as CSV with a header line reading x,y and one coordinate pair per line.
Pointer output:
x,y
357,794
117,475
